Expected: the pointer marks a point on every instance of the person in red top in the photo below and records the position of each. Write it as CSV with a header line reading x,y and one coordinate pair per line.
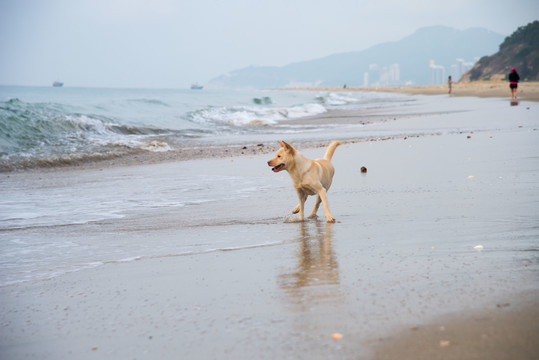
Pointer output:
x,y
513,83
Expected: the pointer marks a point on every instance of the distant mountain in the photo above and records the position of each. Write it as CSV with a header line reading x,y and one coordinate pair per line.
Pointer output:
x,y
427,56
519,50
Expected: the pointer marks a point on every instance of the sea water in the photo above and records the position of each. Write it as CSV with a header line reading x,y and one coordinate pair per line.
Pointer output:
x,y
49,126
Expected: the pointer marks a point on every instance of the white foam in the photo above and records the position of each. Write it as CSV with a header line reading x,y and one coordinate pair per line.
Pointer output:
x,y
156,146
306,110
336,99
248,116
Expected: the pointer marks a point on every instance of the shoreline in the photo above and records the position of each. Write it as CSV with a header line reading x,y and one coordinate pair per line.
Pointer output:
x,y
207,148
202,148
527,91
184,150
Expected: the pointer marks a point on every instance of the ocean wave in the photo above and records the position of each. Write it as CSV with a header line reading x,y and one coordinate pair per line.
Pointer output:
x,y
43,134
337,99
28,162
145,101
248,116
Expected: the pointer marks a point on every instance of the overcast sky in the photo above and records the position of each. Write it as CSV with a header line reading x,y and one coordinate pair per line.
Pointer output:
x,y
172,43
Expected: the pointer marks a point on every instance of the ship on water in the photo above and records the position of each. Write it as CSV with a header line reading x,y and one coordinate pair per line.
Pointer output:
x,y
196,87
57,84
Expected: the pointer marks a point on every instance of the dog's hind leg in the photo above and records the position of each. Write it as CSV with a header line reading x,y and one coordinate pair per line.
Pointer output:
x,y
316,206
324,198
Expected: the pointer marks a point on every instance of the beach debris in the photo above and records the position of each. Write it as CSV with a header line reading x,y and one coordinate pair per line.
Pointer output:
x,y
444,343
470,176
478,247
363,169
468,137
414,328
336,336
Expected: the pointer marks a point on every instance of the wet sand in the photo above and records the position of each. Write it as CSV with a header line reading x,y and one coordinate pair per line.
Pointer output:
x,y
506,331
400,262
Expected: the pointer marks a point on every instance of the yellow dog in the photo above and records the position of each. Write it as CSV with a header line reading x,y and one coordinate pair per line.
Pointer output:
x,y
309,177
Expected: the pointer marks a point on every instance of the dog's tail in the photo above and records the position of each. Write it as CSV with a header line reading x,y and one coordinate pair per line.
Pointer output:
x,y
331,149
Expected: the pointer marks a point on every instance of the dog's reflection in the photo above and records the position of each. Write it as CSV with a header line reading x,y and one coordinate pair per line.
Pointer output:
x,y
316,275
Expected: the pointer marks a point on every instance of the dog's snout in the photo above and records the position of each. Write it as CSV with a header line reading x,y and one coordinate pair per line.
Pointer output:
x,y
269,163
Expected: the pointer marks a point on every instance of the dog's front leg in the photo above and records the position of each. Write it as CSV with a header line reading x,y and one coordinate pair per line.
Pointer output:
x,y
323,196
316,206
302,197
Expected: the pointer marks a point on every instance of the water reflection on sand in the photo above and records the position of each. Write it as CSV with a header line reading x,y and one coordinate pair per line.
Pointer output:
x,y
315,278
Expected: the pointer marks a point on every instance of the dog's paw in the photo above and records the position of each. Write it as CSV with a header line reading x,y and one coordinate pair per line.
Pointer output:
x,y
296,210
330,219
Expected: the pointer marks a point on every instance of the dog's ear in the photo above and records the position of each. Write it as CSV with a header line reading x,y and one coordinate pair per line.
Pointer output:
x,y
287,146
282,144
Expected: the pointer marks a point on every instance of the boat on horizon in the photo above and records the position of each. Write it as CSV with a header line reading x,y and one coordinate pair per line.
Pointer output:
x,y
57,84
196,87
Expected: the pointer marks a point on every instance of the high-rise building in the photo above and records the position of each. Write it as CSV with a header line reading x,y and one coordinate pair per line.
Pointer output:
x,y
437,73
395,73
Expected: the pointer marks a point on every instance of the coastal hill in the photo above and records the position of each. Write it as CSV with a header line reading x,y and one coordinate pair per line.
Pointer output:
x,y
519,50
408,61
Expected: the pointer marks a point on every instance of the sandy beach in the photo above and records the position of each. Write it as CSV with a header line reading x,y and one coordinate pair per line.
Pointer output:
x,y
528,91
434,254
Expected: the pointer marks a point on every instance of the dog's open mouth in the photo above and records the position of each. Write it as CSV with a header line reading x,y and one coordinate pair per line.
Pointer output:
x,y
278,168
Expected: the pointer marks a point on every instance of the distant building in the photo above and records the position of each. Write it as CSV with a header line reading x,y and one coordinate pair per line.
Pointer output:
x,y
461,67
382,76
395,73
456,70
437,73
374,75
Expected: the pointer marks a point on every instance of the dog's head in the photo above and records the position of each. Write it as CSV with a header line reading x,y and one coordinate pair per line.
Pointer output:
x,y
283,158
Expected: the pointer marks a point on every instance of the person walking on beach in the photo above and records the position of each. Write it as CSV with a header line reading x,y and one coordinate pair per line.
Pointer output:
x,y
449,84
513,83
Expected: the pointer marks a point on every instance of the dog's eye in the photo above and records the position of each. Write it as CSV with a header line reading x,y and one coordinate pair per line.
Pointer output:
x,y
279,156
